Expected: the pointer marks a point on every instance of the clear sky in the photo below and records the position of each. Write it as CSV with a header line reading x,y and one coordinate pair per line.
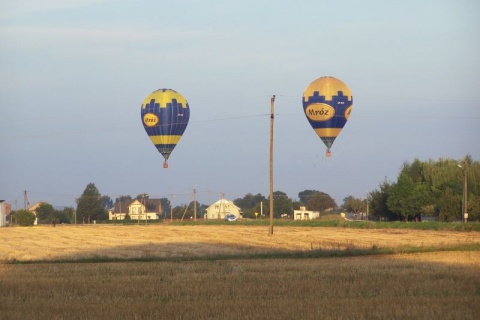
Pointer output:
x,y
73,75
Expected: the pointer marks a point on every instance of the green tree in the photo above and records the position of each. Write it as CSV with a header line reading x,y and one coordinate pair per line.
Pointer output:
x,y
430,188
401,199
378,203
321,201
305,196
107,202
355,205
250,204
165,206
189,213
89,205
24,218
449,206
282,204
65,215
45,213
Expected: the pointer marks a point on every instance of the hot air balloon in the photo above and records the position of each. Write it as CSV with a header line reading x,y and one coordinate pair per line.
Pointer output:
x,y
327,103
165,115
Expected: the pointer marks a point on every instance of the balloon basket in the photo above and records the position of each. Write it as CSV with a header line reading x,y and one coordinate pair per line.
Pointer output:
x,y
165,165
328,153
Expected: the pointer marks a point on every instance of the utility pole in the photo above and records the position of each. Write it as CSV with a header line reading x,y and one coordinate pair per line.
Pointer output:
x,y
272,116
195,203
25,200
76,206
464,197
171,207
145,210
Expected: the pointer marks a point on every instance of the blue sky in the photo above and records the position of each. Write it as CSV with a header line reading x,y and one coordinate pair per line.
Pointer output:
x,y
73,75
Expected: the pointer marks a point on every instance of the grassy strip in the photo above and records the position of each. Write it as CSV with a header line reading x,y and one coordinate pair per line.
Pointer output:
x,y
312,254
332,221
341,223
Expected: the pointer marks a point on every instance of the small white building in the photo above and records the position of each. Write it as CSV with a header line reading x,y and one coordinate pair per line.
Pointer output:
x,y
221,208
304,214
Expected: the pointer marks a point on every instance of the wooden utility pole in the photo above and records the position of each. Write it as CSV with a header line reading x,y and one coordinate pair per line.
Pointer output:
x,y
25,200
272,116
195,203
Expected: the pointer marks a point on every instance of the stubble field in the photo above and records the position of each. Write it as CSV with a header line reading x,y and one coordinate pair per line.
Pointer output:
x,y
237,272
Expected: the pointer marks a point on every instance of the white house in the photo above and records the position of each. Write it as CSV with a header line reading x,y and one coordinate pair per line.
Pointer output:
x,y
221,208
137,210
304,214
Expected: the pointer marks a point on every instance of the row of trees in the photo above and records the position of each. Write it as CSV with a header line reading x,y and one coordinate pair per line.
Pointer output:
x,y
429,188
283,205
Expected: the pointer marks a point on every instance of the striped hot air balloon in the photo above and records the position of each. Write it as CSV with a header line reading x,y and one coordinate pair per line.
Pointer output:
x,y
165,114
327,103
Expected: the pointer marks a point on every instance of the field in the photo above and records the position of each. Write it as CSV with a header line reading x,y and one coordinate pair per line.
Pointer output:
x,y
232,271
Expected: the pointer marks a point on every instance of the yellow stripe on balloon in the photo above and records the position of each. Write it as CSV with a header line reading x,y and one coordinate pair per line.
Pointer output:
x,y
165,139
328,87
328,132
165,96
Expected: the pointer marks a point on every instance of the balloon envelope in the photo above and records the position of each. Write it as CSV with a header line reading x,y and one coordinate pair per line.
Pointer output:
x,y
165,114
327,103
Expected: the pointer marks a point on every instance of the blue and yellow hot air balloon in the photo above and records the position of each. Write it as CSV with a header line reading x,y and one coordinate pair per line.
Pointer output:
x,y
165,115
327,103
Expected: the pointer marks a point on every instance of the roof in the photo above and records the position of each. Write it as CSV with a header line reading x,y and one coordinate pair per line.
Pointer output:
x,y
151,205
224,202
35,206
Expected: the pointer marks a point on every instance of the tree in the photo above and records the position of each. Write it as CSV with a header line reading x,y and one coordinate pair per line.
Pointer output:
x,y
401,199
378,203
45,213
107,202
165,205
250,204
355,205
282,204
189,213
65,215
24,218
142,196
321,201
449,206
123,198
305,196
89,205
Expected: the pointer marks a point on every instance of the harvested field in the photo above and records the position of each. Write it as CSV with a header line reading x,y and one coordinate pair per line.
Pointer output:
x,y
427,285
66,242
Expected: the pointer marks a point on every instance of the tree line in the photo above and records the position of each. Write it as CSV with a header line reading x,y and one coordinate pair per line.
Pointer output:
x,y
423,188
429,188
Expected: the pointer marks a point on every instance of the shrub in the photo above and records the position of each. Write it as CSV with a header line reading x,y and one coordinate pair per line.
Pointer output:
x,y
24,218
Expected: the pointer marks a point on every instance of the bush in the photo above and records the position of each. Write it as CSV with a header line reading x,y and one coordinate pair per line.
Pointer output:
x,y
24,218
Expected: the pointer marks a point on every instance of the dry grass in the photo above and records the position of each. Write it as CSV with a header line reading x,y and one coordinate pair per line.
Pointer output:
x,y
436,285
168,241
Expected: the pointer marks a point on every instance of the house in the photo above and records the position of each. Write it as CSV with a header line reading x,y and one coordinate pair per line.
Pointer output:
x,y
33,209
221,208
304,214
148,209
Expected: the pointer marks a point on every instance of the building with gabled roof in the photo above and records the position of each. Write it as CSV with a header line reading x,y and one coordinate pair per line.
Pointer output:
x,y
147,209
33,209
221,208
